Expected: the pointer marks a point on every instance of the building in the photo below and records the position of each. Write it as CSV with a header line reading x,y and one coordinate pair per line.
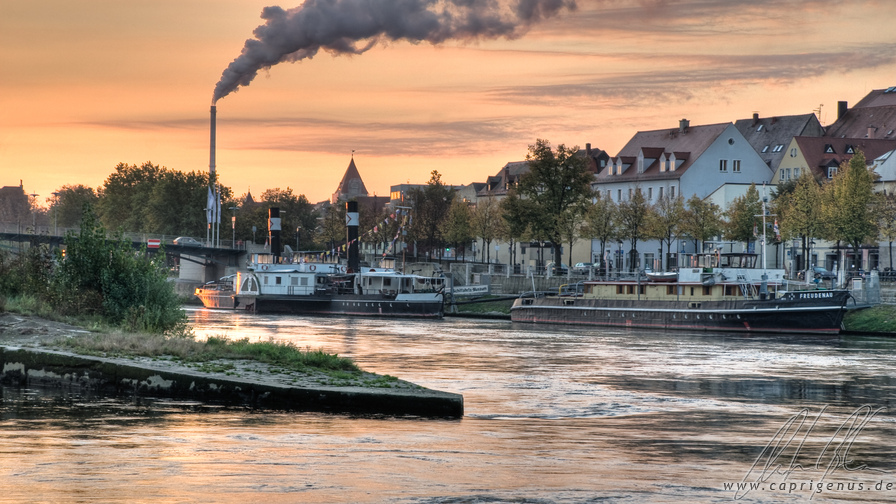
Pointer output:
x,y
822,156
770,135
873,117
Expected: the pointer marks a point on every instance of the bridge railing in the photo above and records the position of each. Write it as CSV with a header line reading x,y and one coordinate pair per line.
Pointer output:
x,y
28,229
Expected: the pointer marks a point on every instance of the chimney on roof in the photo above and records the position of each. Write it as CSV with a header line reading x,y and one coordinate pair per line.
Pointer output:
x,y
871,130
588,148
683,126
755,118
841,109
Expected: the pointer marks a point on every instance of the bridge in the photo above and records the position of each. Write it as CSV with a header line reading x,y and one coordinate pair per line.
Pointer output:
x,y
197,262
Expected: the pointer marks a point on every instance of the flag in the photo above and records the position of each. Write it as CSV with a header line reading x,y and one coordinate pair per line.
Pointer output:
x,y
209,204
218,209
755,230
777,231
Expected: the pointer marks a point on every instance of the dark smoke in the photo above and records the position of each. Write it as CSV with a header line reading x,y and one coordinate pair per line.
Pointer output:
x,y
355,26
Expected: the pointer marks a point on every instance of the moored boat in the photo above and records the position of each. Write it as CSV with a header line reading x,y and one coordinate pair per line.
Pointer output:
x,y
726,297
219,294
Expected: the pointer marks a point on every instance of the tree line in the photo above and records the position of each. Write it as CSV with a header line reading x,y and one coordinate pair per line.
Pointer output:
x,y
553,203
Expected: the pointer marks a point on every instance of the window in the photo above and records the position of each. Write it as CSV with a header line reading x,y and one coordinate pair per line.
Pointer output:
x,y
793,152
668,163
723,165
672,192
796,173
788,173
832,170
649,193
735,166
781,178
778,148
618,195
765,149
661,193
277,280
294,280
629,193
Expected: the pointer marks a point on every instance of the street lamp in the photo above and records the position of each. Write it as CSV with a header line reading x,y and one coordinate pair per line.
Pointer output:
x,y
55,213
233,226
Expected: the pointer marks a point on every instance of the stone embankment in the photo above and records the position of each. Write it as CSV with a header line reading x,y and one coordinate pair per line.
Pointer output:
x,y
29,357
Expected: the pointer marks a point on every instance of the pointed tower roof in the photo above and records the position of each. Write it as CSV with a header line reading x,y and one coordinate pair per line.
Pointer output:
x,y
351,185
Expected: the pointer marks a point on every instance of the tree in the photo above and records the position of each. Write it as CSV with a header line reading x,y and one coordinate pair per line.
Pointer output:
x,y
430,206
886,222
742,223
177,204
124,195
802,211
701,221
67,206
853,204
457,228
631,223
516,213
600,224
558,185
664,222
487,224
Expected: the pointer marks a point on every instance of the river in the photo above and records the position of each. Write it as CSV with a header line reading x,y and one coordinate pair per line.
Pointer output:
x,y
552,415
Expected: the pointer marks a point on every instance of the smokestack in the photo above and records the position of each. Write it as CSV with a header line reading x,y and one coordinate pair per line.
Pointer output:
x,y
841,109
683,126
351,235
211,146
755,118
274,232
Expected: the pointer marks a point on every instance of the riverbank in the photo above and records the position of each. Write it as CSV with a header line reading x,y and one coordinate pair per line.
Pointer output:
x,y
33,353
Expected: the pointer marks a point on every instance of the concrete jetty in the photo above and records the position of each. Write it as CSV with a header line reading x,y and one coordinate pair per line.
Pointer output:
x,y
26,359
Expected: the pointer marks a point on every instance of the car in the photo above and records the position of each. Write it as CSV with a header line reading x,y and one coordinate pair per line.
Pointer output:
x,y
557,270
818,272
582,268
186,241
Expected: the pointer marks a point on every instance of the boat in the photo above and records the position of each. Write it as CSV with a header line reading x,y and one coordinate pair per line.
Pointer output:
x,y
320,288
728,294
217,294
661,276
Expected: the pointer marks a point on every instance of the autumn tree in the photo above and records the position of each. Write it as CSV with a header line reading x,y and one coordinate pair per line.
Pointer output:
x,y
631,223
600,224
430,205
457,228
665,223
702,220
886,222
741,222
853,204
516,213
557,184
487,224
801,211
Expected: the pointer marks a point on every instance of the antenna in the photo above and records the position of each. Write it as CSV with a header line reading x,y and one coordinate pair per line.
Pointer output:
x,y
818,110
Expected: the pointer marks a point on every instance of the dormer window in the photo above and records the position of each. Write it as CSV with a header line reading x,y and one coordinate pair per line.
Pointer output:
x,y
778,148
667,164
765,149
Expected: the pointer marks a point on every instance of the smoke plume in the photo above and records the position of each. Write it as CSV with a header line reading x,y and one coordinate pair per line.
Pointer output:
x,y
355,26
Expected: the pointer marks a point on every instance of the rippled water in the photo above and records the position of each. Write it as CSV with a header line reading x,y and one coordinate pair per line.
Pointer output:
x,y
552,415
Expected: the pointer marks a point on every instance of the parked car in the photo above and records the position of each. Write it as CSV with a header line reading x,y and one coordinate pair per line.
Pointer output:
x,y
562,269
582,268
186,241
818,272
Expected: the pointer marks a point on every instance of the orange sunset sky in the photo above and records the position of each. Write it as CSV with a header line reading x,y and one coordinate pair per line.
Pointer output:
x,y
85,85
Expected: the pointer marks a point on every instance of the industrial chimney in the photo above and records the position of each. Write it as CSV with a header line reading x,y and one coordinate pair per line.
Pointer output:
x,y
351,235
211,147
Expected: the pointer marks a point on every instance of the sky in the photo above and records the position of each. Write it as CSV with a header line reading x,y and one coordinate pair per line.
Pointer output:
x,y
87,85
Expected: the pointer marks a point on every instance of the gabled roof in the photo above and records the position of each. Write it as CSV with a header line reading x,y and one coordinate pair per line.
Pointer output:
x,y
496,185
764,134
686,142
874,116
823,152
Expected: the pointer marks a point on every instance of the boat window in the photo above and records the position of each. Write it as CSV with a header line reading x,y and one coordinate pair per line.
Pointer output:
x,y
642,289
294,280
620,289
387,282
304,280
277,280
265,280
707,290
670,290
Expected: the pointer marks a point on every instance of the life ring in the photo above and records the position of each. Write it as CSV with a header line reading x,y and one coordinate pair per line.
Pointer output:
x,y
264,267
312,267
342,269
372,270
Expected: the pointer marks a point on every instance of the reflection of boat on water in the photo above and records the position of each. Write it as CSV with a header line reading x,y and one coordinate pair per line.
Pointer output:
x,y
217,294
327,288
729,296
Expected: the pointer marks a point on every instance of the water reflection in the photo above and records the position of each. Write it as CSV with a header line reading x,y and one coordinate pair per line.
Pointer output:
x,y
553,415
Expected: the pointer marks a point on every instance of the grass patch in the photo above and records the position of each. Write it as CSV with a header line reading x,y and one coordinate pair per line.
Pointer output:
x,y
187,349
487,307
879,319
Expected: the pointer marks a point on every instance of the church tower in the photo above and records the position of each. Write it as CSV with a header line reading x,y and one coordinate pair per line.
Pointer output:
x,y
351,186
